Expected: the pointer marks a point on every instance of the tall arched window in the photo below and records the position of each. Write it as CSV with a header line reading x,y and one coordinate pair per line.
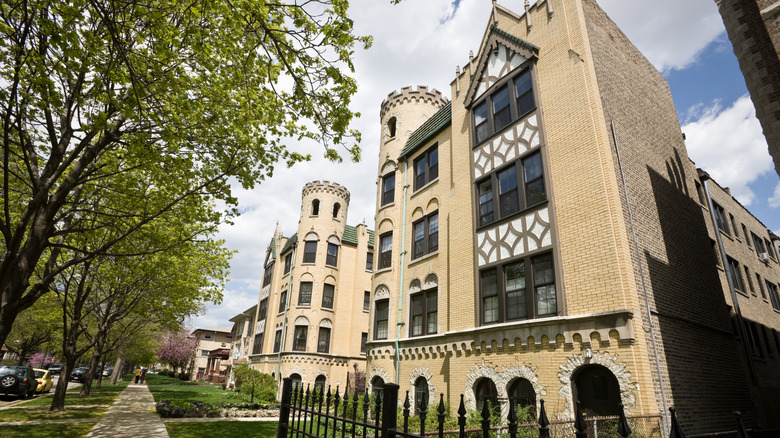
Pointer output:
x,y
486,392
315,207
319,383
296,381
336,208
420,394
377,384
522,393
391,127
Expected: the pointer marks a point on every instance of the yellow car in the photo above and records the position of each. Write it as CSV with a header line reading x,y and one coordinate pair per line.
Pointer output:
x,y
44,380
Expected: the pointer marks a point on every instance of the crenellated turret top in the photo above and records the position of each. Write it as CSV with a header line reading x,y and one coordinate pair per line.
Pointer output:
x,y
327,187
407,94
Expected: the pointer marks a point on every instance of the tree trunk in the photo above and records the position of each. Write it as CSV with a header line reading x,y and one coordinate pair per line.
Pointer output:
x,y
100,341
58,401
117,373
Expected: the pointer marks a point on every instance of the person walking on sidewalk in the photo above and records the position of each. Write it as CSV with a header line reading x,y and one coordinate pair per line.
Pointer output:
x,y
143,375
137,374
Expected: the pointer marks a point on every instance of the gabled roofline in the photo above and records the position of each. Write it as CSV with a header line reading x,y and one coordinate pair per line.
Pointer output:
x,y
495,34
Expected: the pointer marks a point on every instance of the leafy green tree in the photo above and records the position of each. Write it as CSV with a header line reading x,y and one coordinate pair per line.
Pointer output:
x,y
35,328
115,113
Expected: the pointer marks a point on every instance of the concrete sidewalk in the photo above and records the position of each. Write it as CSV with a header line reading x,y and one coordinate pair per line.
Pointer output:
x,y
132,415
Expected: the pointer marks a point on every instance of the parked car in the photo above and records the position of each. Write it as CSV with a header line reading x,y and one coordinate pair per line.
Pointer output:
x,y
80,374
107,371
44,380
55,368
17,380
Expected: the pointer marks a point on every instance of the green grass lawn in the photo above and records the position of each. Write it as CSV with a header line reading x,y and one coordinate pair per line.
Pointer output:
x,y
166,388
76,430
260,429
11,415
103,396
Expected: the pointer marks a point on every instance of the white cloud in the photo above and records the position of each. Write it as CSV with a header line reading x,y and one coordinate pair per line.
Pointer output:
x,y
774,201
670,33
729,145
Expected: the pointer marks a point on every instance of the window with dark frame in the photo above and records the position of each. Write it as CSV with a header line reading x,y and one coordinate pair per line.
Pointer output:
x,y
426,167
391,123
277,340
287,263
426,235
323,340
749,280
773,296
720,218
753,342
336,208
315,207
388,188
363,342
758,243
299,338
268,274
304,295
366,301
262,309
257,348
332,258
747,237
310,251
420,394
736,276
370,261
328,291
282,301
386,250
509,102
503,192
380,319
424,313
734,226
760,285
512,291
769,250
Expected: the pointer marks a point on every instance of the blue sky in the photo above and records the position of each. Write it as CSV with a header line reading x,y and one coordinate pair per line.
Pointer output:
x,y
420,42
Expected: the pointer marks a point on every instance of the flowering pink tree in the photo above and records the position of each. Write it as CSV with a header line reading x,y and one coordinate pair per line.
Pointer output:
x,y
41,359
177,349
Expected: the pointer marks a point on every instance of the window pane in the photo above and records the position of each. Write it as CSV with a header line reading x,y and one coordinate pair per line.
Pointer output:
x,y
489,296
304,298
323,340
433,164
299,343
327,296
385,257
282,301
507,191
432,306
419,172
419,239
380,331
485,202
501,111
370,261
310,251
388,188
333,255
515,291
524,94
544,282
480,122
433,233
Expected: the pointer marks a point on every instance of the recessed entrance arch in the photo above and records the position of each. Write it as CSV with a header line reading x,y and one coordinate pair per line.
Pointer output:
x,y
597,389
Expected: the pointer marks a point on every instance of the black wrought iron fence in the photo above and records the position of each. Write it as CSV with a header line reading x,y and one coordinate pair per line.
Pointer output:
x,y
328,414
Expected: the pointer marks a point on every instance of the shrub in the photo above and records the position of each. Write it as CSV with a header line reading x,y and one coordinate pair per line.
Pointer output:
x,y
250,381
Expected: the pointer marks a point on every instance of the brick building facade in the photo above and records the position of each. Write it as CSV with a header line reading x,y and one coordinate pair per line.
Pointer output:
x,y
541,236
311,319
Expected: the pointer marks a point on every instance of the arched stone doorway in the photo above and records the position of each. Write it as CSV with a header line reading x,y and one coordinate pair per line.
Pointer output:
x,y
521,391
297,382
485,391
597,389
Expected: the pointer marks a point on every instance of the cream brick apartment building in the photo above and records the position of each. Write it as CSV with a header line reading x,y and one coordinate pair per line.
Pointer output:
x,y
311,320
543,235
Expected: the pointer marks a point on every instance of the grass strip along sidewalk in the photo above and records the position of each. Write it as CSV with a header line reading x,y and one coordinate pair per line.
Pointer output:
x,y
184,393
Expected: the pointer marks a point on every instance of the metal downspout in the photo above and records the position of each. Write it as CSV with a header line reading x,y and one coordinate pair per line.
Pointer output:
x,y
642,279
398,323
732,290
284,318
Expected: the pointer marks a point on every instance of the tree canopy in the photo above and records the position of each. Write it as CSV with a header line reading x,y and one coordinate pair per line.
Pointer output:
x,y
119,115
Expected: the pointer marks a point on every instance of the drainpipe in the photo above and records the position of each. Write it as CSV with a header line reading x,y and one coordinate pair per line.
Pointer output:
x,y
642,279
284,318
401,281
737,312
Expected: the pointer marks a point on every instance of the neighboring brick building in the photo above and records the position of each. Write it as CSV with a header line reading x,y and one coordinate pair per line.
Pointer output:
x,y
540,236
312,313
213,353
753,27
